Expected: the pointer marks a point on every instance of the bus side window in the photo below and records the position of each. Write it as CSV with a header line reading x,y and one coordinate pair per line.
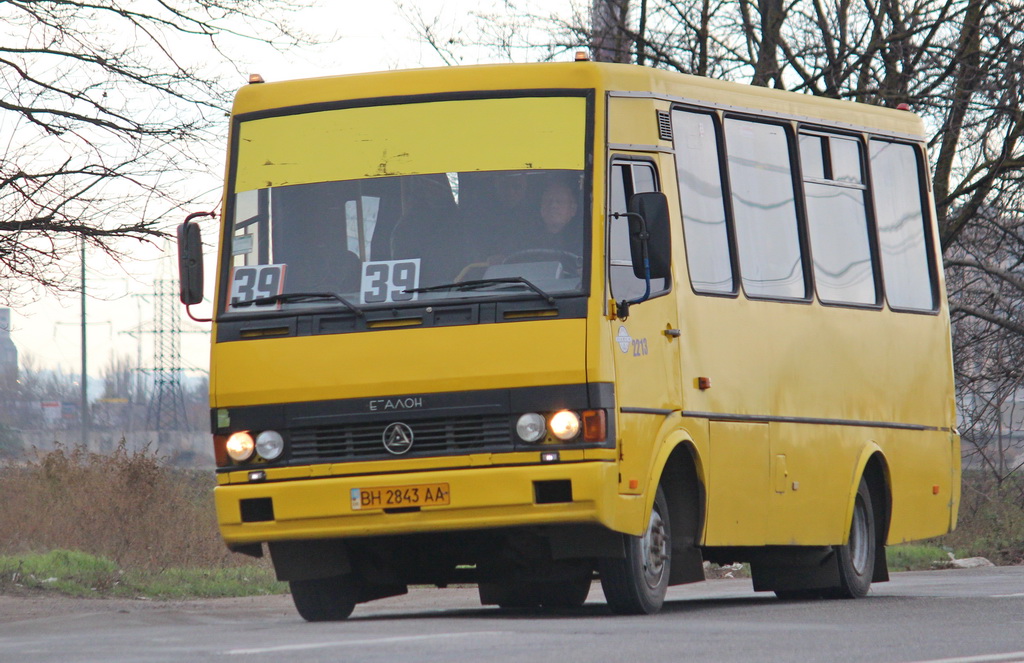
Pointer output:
x,y
896,176
837,220
708,252
626,179
764,210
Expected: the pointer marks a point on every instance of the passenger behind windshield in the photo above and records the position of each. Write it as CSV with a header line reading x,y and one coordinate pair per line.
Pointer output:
x,y
489,219
558,209
528,217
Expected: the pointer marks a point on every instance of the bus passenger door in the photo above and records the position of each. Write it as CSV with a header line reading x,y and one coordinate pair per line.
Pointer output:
x,y
646,357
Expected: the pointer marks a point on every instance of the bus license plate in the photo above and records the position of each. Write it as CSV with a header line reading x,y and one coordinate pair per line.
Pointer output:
x,y
396,497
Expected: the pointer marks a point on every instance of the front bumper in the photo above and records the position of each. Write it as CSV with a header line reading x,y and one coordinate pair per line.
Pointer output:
x,y
481,498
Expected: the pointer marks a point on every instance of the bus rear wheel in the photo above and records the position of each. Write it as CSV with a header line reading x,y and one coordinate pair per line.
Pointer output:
x,y
855,561
323,599
636,584
857,558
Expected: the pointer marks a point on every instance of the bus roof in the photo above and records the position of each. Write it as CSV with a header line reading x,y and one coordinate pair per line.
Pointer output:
x,y
602,77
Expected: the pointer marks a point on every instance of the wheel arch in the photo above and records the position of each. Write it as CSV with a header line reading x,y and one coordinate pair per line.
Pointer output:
x,y
679,471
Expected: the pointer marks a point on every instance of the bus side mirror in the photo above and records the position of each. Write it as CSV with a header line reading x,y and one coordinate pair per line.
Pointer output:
x,y
649,225
190,261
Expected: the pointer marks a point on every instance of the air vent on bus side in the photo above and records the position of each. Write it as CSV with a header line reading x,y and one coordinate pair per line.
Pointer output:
x,y
664,125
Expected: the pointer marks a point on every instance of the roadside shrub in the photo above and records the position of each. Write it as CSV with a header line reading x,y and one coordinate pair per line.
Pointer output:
x,y
129,507
991,521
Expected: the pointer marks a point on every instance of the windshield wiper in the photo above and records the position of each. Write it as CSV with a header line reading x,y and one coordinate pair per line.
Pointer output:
x,y
483,283
300,297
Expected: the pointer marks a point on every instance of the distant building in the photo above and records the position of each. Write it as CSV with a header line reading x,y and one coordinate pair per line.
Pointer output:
x,y
8,352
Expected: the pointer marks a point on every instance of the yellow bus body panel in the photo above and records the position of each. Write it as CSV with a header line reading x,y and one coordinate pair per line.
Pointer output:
x,y
833,372
399,361
391,140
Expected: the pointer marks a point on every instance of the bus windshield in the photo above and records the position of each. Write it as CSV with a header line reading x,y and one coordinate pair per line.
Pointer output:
x,y
403,239
401,203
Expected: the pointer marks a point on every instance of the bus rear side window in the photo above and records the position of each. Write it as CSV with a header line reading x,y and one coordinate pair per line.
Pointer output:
x,y
837,222
896,181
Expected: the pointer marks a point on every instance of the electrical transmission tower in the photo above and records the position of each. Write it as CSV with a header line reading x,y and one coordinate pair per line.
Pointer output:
x,y
167,404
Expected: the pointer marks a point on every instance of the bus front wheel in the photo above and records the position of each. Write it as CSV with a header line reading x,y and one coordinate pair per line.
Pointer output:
x,y
636,584
323,599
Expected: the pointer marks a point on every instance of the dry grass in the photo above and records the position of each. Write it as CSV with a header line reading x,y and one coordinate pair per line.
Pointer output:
x,y
128,507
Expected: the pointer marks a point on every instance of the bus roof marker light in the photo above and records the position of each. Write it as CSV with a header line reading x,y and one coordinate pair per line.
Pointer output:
x,y
581,56
255,79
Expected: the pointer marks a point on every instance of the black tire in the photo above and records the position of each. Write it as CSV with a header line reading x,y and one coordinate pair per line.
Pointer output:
x,y
507,596
857,558
568,593
324,599
636,584
562,594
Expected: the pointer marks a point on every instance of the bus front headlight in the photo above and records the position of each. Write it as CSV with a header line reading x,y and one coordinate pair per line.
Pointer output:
x,y
530,427
269,444
565,425
240,446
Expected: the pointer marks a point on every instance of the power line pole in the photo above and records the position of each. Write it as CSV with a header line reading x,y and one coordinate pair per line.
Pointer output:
x,y
167,404
85,364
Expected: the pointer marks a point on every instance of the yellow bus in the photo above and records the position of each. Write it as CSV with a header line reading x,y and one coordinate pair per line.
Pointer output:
x,y
528,326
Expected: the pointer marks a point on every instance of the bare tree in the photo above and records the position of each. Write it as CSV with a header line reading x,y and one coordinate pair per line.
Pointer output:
x,y
442,37
119,379
611,39
105,106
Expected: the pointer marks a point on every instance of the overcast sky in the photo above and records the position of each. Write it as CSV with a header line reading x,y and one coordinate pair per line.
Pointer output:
x,y
372,37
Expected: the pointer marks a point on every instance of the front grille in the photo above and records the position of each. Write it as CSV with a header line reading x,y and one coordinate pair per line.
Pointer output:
x,y
431,437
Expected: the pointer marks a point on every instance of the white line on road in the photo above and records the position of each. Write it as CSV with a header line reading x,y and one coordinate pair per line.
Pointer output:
x,y
1011,657
353,643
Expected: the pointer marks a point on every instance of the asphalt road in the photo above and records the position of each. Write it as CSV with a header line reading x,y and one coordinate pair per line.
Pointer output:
x,y
970,615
